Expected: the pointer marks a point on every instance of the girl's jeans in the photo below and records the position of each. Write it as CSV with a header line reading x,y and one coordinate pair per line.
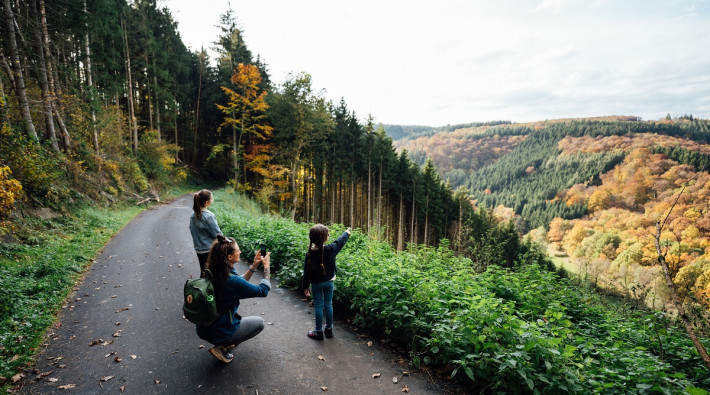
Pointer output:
x,y
323,297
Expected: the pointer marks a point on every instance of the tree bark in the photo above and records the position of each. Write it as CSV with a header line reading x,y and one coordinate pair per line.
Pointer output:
x,y
197,109
17,70
400,232
157,102
147,88
90,81
43,82
293,188
131,111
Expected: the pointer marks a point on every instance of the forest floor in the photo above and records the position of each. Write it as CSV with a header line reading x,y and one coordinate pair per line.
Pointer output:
x,y
122,330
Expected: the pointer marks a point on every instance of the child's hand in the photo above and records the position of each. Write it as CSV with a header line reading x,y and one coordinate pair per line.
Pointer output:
x,y
307,292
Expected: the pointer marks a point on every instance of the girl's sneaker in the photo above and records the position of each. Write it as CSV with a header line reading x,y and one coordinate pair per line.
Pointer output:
x,y
328,332
315,335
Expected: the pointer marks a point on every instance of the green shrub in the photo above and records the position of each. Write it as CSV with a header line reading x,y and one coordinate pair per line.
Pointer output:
x,y
523,330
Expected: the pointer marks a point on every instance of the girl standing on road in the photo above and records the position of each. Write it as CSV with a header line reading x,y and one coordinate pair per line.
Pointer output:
x,y
319,273
230,329
203,226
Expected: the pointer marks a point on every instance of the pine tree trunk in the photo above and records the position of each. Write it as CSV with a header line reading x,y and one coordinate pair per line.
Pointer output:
x,y
148,91
379,202
369,194
17,70
131,112
414,213
400,232
177,111
90,81
352,202
293,188
51,78
44,84
157,102
197,112
426,221
3,105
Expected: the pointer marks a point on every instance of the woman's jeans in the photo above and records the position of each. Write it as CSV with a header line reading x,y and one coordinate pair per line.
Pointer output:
x,y
323,297
248,328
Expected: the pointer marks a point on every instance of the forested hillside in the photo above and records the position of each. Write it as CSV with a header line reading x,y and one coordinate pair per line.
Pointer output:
x,y
595,190
101,101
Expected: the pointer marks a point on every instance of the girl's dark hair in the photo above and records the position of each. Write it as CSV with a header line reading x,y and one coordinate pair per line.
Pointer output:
x,y
199,199
217,260
314,257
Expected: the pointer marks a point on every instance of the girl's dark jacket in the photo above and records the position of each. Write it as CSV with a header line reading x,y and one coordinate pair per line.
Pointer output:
x,y
329,253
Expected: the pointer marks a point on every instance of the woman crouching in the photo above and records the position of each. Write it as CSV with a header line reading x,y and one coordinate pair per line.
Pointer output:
x,y
230,329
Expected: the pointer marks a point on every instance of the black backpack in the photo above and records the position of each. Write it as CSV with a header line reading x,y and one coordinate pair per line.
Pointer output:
x,y
200,303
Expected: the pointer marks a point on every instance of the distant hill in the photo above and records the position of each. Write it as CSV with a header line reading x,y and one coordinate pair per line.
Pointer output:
x,y
399,132
526,166
594,189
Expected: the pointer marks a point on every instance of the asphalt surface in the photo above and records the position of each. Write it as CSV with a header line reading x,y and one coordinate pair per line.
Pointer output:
x,y
122,330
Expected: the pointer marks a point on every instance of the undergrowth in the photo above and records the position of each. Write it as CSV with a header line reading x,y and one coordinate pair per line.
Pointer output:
x,y
522,331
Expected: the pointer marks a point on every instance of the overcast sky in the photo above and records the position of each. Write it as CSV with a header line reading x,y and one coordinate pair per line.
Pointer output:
x,y
444,62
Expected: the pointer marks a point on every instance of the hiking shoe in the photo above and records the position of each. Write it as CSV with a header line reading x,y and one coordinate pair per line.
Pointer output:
x,y
328,332
222,354
315,335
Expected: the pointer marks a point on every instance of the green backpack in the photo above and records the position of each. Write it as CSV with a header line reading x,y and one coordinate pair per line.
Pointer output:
x,y
200,304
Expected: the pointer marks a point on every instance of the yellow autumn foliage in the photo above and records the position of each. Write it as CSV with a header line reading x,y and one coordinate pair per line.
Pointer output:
x,y
10,190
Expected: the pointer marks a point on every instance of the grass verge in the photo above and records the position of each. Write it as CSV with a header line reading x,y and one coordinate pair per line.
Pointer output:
x,y
38,273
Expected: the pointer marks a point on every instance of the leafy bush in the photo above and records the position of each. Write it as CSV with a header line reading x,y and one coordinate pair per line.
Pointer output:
x,y
513,331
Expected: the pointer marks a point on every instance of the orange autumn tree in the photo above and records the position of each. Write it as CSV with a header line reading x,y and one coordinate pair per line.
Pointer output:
x,y
246,114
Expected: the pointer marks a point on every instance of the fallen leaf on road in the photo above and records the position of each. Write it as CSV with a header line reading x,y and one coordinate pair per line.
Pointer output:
x,y
107,378
122,388
369,344
395,379
157,381
17,377
324,388
53,379
67,386
117,359
95,342
118,323
322,358
109,354
376,375
117,334
133,357
405,373
405,389
201,346
62,366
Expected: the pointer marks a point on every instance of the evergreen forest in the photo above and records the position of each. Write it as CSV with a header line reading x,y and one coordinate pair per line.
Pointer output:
x,y
101,103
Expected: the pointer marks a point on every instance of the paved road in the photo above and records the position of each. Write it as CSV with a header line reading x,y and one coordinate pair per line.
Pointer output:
x,y
123,331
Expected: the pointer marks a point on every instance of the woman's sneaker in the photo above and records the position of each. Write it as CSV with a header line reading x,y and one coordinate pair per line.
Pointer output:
x,y
328,332
222,354
315,335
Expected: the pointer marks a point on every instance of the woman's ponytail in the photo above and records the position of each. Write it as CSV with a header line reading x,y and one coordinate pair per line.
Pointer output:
x,y
199,199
